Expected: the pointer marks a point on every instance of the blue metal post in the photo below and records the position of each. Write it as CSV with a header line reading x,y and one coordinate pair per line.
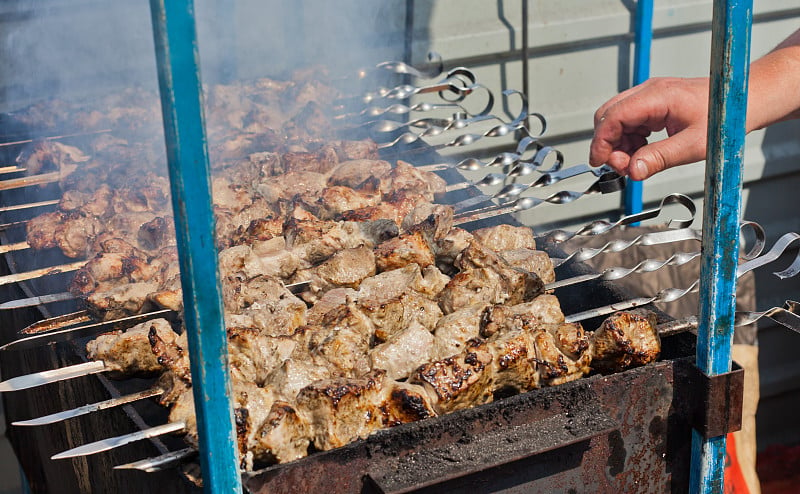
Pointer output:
x,y
643,40
730,57
187,152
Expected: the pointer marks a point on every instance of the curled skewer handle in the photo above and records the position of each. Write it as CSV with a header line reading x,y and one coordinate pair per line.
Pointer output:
x,y
787,316
618,272
601,226
774,253
662,237
607,183
672,294
431,69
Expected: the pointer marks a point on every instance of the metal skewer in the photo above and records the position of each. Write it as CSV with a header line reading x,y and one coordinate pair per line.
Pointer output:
x,y
37,273
93,407
71,333
115,442
671,294
51,376
608,182
161,462
53,138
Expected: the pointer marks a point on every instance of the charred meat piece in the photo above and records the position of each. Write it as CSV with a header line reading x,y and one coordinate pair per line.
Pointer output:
x,y
514,361
287,186
405,177
401,251
283,435
317,240
253,356
128,353
47,156
554,366
454,330
342,410
487,278
322,161
346,268
449,247
625,339
544,309
332,201
403,403
461,381
347,343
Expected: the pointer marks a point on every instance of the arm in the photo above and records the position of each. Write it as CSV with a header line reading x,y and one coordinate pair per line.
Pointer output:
x,y
623,124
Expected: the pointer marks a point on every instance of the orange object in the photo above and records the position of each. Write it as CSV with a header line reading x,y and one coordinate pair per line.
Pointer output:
x,y
734,479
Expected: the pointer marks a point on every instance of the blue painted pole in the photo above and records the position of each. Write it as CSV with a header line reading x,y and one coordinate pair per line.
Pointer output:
x,y
175,37
730,57
643,40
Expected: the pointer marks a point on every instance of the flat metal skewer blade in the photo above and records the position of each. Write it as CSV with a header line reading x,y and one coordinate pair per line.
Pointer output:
x,y
298,287
51,376
158,463
34,301
36,273
53,138
29,205
57,322
41,179
115,442
5,249
93,407
66,334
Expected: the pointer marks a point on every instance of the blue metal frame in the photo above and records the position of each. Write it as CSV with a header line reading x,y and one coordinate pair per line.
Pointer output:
x,y
175,37
643,40
730,57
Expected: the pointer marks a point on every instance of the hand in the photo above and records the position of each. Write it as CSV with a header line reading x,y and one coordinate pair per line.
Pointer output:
x,y
623,124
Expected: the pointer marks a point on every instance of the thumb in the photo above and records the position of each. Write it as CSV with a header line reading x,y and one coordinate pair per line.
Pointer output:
x,y
687,146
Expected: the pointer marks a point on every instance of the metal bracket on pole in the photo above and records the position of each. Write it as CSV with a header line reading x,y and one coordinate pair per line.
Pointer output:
x,y
716,407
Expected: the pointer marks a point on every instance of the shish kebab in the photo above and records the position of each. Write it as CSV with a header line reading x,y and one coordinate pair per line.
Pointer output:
x,y
592,229
619,343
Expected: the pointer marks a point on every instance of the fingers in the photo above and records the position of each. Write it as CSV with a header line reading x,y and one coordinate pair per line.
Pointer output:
x,y
623,124
687,146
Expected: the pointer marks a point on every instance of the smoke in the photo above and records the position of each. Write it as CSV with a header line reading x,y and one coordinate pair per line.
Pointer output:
x,y
80,48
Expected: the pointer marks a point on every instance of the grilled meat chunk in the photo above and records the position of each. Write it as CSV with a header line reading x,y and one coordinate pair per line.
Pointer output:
x,y
554,366
403,352
454,330
626,339
506,237
403,250
461,381
342,410
348,340
514,361
354,173
543,309
128,353
533,261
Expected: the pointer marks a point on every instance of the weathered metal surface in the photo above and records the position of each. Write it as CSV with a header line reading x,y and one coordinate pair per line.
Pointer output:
x,y
717,400
175,38
730,54
638,444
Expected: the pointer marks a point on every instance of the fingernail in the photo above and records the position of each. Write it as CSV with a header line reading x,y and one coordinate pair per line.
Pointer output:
x,y
640,167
